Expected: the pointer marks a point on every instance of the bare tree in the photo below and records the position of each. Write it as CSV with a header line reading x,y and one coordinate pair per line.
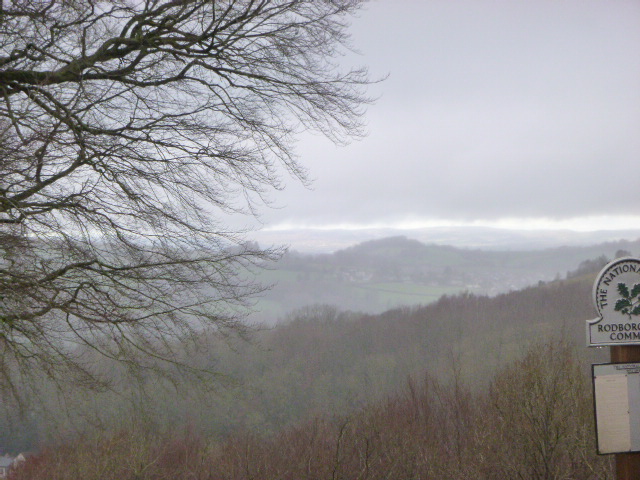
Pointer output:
x,y
128,129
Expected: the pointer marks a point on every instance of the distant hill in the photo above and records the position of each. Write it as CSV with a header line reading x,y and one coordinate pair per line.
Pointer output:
x,y
314,241
377,275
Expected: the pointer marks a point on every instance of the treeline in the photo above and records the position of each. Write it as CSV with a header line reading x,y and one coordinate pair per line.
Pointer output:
x,y
534,420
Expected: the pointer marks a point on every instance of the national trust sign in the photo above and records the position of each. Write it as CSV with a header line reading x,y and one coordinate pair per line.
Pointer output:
x,y
616,293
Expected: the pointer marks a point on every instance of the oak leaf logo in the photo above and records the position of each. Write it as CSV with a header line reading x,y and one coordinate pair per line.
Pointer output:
x,y
629,304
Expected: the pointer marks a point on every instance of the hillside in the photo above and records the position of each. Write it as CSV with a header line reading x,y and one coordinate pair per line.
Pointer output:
x,y
326,360
383,274
335,361
534,421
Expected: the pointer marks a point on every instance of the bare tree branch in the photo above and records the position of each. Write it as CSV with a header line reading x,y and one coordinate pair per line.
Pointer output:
x,y
126,128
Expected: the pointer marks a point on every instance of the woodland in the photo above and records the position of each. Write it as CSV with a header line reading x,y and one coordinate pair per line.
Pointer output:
x,y
470,386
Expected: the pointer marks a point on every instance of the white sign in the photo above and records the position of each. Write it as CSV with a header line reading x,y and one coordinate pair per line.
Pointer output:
x,y
617,399
616,294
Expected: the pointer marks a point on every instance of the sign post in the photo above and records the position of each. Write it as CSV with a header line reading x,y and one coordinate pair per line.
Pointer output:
x,y
627,464
616,294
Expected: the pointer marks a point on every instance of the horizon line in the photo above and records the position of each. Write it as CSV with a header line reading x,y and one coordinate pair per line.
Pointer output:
x,y
577,224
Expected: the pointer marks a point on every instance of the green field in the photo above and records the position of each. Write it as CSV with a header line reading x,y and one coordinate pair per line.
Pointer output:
x,y
290,290
399,293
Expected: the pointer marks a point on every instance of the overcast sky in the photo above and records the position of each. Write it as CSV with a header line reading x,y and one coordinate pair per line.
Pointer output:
x,y
494,112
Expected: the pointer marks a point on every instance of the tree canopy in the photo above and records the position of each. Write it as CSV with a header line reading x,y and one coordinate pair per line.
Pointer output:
x,y
128,130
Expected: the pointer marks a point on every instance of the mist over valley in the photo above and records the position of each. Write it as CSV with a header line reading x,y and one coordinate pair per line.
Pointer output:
x,y
384,273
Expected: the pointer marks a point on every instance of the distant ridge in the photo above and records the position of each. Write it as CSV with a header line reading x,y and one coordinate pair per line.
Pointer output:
x,y
383,273
485,238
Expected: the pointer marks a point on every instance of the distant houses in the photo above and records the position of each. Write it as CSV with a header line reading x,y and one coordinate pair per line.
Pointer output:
x,y
7,463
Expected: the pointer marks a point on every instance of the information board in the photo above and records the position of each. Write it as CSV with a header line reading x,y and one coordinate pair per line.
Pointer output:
x,y
616,388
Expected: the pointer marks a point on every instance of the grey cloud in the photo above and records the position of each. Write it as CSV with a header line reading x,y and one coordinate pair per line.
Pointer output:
x,y
492,109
